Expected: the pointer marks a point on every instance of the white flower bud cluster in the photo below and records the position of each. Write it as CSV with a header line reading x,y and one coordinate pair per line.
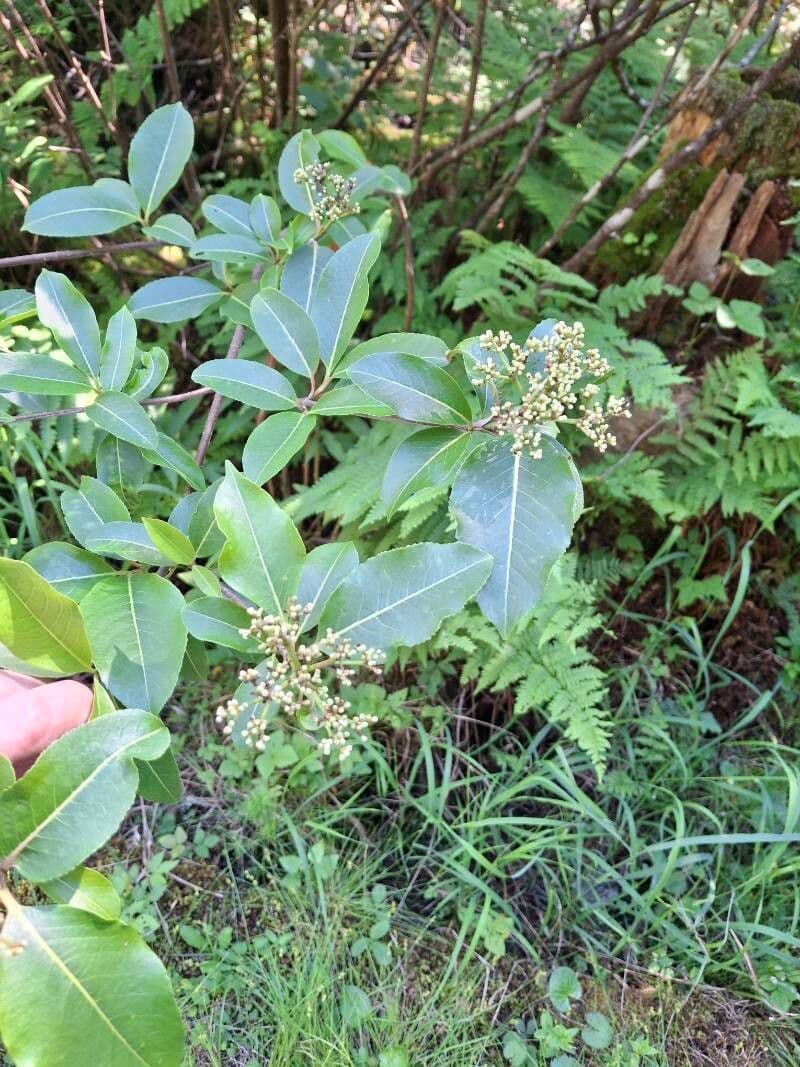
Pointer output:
x,y
295,678
558,393
332,194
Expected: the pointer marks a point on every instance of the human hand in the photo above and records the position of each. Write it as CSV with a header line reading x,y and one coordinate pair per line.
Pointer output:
x,y
33,714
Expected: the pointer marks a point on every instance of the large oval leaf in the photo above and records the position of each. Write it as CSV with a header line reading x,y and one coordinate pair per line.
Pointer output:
x,y
400,597
120,415
68,569
29,373
83,210
263,550
87,508
272,444
138,637
76,794
39,625
521,511
251,383
300,152
67,314
412,387
286,330
341,295
159,151
173,299
115,1004
324,570
302,271
228,213
426,459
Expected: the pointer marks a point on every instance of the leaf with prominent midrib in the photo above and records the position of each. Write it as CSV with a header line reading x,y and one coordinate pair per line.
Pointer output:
x,y
426,459
412,387
263,550
228,213
26,372
286,330
400,597
66,313
173,299
83,210
89,507
68,569
120,415
521,511
251,383
214,619
300,151
138,637
119,350
159,151
272,444
341,295
113,997
76,794
38,625
324,570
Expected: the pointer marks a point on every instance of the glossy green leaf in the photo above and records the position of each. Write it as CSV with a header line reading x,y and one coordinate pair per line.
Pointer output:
x,y
521,511
88,890
349,400
251,383
323,571
119,350
301,273
228,248
102,702
122,416
138,636
412,387
219,621
16,305
115,1003
39,625
160,779
172,230
67,314
286,330
70,570
431,349
170,453
264,217
341,296
170,541
89,507
26,372
426,459
195,664
159,151
301,151
400,597
206,581
263,550
173,299
273,443
76,794
83,210
342,146
228,213
126,540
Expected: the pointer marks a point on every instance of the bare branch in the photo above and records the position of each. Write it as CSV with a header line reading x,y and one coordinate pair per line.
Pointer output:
x,y
63,255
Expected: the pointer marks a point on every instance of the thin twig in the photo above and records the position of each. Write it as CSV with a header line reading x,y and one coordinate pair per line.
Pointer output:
x,y
679,159
408,260
425,83
63,255
234,348
151,401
